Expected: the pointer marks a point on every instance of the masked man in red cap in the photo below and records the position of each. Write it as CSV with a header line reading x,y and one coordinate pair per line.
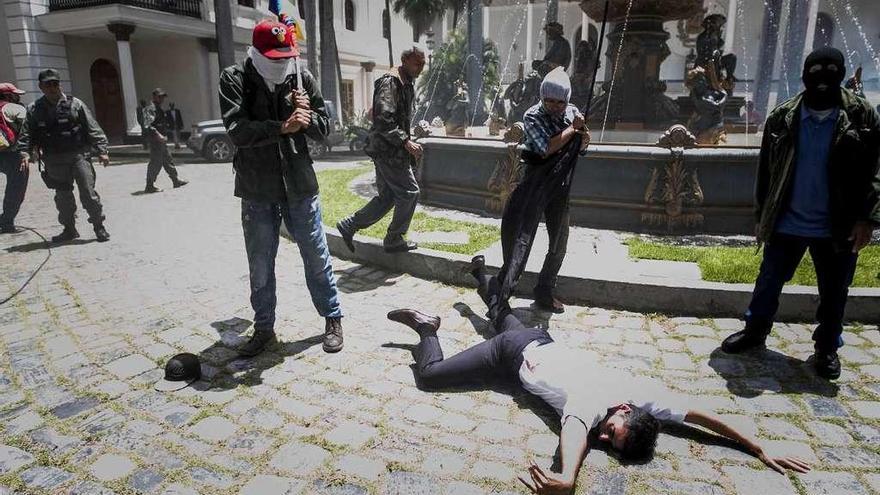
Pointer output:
x,y
12,116
268,117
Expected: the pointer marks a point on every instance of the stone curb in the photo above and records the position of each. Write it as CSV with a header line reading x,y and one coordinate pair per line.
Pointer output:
x,y
704,299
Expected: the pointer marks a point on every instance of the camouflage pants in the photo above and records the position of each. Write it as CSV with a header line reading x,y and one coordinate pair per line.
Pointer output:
x,y
77,170
398,189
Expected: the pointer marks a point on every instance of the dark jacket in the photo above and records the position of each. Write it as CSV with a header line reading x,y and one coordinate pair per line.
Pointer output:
x,y
853,176
155,122
392,113
43,128
266,167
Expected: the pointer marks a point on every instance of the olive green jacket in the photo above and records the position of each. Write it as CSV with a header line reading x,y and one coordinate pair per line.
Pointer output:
x,y
853,175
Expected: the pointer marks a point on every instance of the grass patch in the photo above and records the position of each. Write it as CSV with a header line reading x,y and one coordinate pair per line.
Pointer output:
x,y
740,264
337,202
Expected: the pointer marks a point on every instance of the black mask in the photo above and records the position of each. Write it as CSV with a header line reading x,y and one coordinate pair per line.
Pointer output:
x,y
824,67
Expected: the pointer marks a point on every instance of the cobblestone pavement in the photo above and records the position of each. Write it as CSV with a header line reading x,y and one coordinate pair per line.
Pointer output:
x,y
81,346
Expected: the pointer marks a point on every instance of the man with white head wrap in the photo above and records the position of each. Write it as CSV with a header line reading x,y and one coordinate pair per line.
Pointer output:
x,y
555,133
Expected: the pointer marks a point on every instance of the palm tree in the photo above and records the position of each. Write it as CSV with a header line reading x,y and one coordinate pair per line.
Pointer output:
x,y
421,14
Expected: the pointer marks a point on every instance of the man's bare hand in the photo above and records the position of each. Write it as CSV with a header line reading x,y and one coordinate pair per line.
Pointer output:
x,y
780,464
585,139
861,235
300,119
162,139
300,100
24,164
578,122
414,149
539,482
104,159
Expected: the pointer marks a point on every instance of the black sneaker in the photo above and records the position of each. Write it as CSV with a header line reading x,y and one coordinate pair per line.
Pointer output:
x,y
742,341
258,343
827,365
150,189
180,183
101,233
333,335
347,235
68,234
402,247
9,229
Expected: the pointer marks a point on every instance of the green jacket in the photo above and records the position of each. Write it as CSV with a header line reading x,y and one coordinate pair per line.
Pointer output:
x,y
60,130
266,167
853,175
392,112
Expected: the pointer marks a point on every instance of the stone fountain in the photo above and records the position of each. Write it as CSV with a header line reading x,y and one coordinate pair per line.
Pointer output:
x,y
638,99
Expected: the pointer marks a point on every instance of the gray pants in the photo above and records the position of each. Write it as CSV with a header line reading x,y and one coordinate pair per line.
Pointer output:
x,y
77,169
160,158
397,189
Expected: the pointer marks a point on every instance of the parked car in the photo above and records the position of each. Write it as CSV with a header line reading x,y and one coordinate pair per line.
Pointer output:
x,y
209,140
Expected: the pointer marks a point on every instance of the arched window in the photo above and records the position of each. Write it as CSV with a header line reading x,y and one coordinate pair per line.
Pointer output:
x,y
824,31
348,11
386,24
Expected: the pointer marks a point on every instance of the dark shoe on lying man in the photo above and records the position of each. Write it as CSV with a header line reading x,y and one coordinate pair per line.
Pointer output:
x,y
418,321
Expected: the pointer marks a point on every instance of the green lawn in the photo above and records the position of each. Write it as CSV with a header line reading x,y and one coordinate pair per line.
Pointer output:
x,y
337,202
740,264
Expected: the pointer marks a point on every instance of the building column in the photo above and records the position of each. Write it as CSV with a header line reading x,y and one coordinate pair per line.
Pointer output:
x,y
811,26
767,55
530,28
474,61
213,62
126,72
730,30
368,84
795,36
585,27
552,16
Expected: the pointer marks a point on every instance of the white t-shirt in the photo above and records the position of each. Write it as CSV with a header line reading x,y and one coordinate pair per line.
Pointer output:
x,y
579,387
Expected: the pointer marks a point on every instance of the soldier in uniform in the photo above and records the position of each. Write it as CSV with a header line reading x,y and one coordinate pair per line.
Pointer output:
x,y
393,152
156,129
12,116
60,131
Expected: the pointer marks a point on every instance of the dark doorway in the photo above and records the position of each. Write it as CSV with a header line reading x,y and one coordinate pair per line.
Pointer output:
x,y
109,104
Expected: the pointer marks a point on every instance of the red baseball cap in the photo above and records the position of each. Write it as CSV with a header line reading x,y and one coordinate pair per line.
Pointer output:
x,y
10,88
275,40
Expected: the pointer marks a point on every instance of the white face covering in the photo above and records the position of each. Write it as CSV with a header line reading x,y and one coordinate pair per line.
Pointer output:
x,y
273,71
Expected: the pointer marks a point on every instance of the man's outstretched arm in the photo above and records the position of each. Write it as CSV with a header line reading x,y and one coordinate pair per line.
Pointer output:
x,y
779,464
573,447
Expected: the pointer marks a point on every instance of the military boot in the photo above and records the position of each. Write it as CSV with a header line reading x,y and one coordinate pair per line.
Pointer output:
x,y
151,189
101,233
333,334
179,183
258,343
68,234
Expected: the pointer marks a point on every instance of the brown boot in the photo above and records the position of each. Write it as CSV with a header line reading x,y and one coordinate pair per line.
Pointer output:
x,y
333,334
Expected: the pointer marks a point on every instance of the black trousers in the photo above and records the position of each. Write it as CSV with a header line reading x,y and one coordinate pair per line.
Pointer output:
x,y
543,193
499,357
835,266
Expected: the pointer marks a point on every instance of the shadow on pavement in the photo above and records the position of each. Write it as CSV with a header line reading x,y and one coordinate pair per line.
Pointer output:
x,y
235,371
750,374
34,246
349,283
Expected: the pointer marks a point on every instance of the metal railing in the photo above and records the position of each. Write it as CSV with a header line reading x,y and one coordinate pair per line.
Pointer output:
x,y
190,8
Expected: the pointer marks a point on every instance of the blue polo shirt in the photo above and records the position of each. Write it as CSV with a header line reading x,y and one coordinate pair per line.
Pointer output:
x,y
807,214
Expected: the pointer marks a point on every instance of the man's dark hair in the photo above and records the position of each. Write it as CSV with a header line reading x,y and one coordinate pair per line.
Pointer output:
x,y
409,52
643,429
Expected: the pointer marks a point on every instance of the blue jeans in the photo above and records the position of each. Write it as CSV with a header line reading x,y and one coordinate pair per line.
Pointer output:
x,y
261,223
835,266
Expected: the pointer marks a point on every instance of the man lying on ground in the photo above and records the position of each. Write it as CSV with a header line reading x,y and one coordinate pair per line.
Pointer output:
x,y
596,405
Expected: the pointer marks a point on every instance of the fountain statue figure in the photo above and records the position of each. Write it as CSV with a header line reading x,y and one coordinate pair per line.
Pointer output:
x,y
584,66
707,122
719,66
525,92
457,109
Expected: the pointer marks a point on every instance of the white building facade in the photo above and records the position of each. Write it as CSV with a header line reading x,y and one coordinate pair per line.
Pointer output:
x,y
111,55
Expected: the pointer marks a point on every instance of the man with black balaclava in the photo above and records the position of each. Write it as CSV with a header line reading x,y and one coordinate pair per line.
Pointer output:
x,y
818,189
